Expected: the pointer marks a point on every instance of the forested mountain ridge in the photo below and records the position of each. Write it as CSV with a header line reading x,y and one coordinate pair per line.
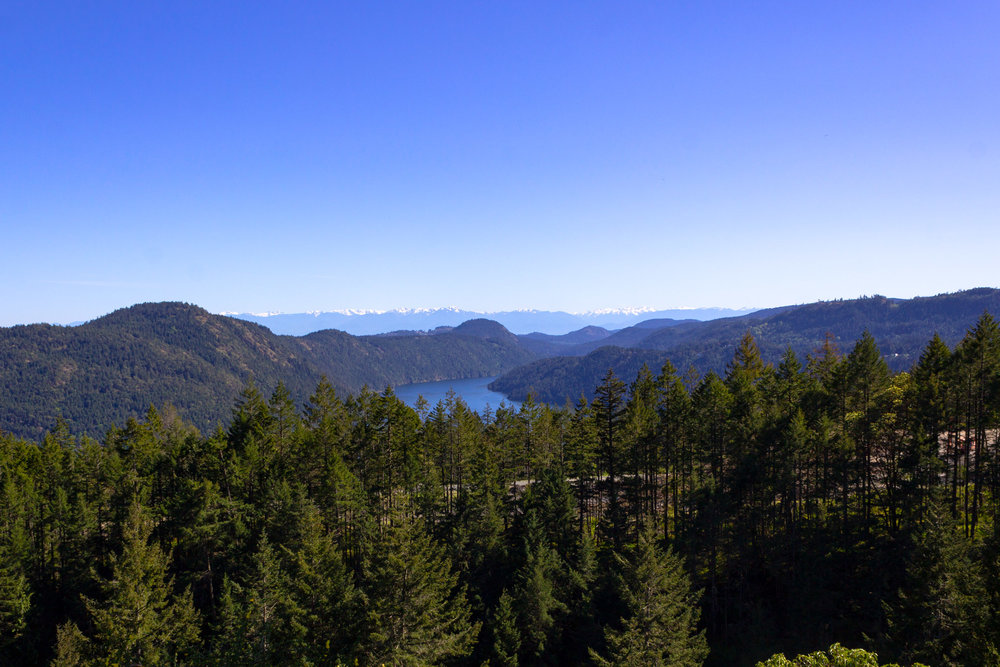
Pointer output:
x,y
477,350
901,327
116,366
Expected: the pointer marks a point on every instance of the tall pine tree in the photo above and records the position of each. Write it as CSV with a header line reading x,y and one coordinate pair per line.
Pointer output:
x,y
661,627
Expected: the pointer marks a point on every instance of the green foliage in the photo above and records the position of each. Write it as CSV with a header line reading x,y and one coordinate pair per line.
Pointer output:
x,y
662,614
15,598
141,620
609,418
536,597
71,646
506,633
417,612
900,328
323,588
115,367
260,620
836,656
939,617
357,529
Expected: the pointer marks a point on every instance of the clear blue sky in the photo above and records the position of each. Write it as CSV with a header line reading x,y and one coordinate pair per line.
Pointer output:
x,y
493,155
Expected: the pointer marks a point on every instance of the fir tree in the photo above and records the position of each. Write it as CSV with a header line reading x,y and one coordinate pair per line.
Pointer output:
x,y
142,620
940,614
581,442
15,599
609,417
506,633
418,614
324,591
661,626
71,647
930,419
674,409
537,602
580,625
261,622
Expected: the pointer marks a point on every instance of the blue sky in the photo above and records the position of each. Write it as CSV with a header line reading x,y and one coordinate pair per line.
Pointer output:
x,y
315,156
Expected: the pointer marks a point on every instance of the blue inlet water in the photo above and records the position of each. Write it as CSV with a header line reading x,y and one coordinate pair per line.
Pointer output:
x,y
473,392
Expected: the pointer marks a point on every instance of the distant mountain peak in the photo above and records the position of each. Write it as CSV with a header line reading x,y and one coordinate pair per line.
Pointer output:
x,y
484,328
642,310
522,321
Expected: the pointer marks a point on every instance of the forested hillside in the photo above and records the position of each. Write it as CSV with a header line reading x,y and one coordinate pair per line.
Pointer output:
x,y
899,326
105,371
115,367
713,520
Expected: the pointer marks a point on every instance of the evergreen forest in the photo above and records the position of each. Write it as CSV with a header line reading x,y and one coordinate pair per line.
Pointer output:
x,y
729,518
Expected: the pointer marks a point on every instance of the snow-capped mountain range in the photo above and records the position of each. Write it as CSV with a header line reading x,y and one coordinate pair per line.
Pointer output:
x,y
367,322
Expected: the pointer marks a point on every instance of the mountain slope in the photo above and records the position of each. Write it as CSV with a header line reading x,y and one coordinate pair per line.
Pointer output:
x,y
117,365
114,367
481,349
901,327
557,380
546,345
584,335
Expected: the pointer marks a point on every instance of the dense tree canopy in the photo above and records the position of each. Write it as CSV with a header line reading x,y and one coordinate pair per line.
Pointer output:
x,y
676,519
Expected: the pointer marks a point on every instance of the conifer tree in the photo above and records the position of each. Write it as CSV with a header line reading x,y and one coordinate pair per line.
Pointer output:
x,y
260,620
745,374
789,437
940,615
15,598
867,377
71,647
931,416
711,402
549,500
581,443
229,647
674,410
643,457
506,634
329,480
142,620
580,625
537,601
417,613
285,429
476,536
609,413
325,593
251,417
662,623
212,540
979,371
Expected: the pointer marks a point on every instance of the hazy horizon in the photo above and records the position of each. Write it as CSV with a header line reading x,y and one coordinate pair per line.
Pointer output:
x,y
634,312
360,312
